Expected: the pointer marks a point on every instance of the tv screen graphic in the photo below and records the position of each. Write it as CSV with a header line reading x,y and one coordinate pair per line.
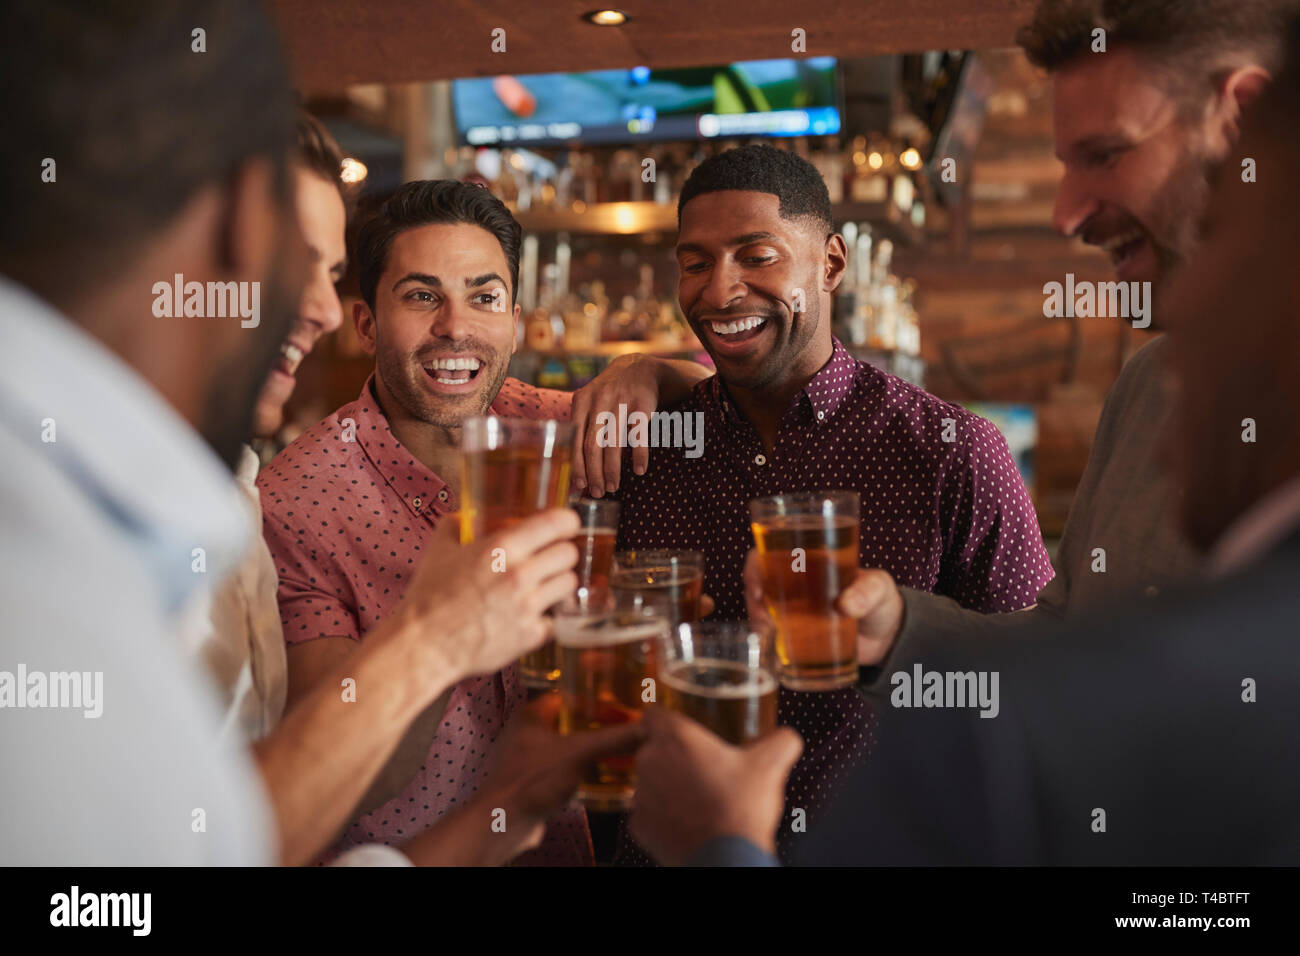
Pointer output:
x,y
755,98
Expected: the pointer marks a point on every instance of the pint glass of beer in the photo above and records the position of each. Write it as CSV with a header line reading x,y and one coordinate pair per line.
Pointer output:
x,y
595,541
808,551
671,581
512,468
722,674
607,677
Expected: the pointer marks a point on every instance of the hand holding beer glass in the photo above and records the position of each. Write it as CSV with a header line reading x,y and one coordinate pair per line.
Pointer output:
x,y
607,678
512,468
808,553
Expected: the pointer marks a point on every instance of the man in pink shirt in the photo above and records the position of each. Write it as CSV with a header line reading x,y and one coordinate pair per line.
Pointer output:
x,y
349,506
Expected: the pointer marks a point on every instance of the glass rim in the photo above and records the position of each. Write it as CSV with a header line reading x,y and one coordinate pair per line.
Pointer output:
x,y
595,507
607,628
721,630
632,557
805,502
490,432
748,646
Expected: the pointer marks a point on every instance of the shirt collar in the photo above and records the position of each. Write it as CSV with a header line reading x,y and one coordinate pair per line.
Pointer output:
x,y
1259,529
423,492
821,397
145,468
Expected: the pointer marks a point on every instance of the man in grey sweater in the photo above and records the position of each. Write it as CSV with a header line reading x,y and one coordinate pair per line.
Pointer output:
x,y
1138,127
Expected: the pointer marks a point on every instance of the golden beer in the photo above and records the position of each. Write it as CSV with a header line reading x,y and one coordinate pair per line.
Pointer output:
x,y
595,542
722,674
608,674
671,581
808,554
736,703
512,468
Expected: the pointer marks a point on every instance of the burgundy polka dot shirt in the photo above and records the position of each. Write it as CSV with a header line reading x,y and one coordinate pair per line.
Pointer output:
x,y
951,517
345,522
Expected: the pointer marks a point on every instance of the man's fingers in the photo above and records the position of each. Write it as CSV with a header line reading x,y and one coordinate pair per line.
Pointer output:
x,y
578,415
545,564
864,594
640,459
581,748
593,458
536,532
613,465
780,749
551,592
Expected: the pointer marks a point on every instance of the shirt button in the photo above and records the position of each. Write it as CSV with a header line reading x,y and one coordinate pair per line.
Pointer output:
x,y
760,459
821,415
415,503
1151,590
442,495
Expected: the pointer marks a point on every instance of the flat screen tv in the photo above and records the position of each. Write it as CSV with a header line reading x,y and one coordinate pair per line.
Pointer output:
x,y
754,98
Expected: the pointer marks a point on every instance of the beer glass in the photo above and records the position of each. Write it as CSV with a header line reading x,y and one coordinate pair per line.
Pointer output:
x,y
808,553
722,675
607,677
595,541
512,468
669,580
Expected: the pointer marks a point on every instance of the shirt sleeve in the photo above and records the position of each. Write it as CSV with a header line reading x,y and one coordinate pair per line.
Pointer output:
x,y
731,851
316,598
520,400
994,559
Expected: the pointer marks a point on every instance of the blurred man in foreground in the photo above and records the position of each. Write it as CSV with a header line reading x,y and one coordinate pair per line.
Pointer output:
x,y
122,425
116,512
1162,735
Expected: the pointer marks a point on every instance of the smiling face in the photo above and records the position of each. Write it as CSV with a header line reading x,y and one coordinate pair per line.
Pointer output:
x,y
321,219
740,266
442,330
1135,170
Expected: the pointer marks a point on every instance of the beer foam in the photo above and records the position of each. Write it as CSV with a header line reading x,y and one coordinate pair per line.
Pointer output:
x,y
603,631
755,681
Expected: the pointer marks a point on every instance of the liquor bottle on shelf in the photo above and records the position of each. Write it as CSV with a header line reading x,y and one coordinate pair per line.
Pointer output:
x,y
545,329
882,297
909,331
506,187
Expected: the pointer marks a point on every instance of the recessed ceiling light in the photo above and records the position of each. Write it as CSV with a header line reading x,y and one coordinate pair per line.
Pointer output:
x,y
606,18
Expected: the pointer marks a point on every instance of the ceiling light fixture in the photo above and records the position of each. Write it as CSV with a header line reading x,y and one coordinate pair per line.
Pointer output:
x,y
606,18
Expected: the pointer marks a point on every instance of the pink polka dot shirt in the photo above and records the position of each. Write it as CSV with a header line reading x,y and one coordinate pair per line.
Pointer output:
x,y
345,522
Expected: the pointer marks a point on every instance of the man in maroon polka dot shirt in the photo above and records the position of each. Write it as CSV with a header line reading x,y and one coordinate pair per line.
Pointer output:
x,y
943,505
349,506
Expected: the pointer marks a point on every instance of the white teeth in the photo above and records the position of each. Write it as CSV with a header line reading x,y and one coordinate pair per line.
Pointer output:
x,y
293,355
454,365
740,325
1116,242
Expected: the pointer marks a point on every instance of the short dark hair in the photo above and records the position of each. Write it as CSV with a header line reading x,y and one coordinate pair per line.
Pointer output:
x,y
1190,42
318,151
431,202
135,120
764,169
